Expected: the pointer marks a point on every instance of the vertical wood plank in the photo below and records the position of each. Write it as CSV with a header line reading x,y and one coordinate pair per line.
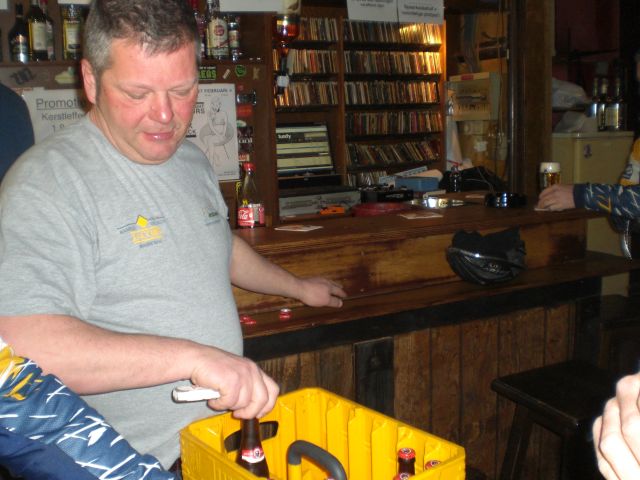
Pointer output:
x,y
374,374
521,347
330,368
479,368
412,396
558,345
446,366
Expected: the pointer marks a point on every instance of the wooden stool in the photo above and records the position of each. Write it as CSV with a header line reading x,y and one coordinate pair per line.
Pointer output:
x,y
565,398
618,327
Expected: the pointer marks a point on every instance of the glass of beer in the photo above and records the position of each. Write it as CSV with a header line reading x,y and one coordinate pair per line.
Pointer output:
x,y
549,174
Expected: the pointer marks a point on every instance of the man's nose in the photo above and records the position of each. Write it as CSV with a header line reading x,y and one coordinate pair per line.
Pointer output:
x,y
161,108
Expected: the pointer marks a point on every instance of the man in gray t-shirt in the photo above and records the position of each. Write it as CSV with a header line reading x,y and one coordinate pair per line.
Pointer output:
x,y
116,259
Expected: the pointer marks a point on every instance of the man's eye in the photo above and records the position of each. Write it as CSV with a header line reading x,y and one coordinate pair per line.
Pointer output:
x,y
136,96
183,93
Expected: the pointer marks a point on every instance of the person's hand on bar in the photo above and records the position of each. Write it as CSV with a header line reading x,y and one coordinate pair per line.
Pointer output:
x,y
616,434
556,197
321,292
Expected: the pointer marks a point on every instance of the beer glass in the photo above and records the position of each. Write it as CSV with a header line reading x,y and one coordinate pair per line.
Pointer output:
x,y
549,174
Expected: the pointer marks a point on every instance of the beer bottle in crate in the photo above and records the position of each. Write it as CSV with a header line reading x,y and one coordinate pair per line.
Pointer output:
x,y
250,206
407,461
250,454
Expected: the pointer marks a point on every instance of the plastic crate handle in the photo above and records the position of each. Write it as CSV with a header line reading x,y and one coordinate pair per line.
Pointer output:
x,y
301,447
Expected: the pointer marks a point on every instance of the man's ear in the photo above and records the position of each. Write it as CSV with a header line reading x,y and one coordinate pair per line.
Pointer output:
x,y
89,80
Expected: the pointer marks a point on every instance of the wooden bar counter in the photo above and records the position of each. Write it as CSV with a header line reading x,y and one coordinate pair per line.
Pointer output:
x,y
413,340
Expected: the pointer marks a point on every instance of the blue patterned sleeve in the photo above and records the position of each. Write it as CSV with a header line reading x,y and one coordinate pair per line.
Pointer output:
x,y
42,409
617,200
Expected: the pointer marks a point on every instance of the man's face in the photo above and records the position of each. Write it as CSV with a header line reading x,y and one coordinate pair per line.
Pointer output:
x,y
144,104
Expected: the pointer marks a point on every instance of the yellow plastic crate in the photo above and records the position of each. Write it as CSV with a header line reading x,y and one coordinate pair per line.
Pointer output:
x,y
365,441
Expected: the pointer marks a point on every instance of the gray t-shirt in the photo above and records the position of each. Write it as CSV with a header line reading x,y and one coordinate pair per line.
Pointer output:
x,y
128,247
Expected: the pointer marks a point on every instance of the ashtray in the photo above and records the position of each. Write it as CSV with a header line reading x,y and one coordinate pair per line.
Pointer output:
x,y
505,200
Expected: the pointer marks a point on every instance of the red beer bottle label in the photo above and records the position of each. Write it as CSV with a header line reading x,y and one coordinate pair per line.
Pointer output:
x,y
253,455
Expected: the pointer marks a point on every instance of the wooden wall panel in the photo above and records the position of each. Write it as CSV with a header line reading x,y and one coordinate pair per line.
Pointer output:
x,y
331,368
479,368
446,367
442,378
559,325
413,378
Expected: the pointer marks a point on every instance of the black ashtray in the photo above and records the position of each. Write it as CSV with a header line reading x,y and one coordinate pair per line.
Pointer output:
x,y
505,200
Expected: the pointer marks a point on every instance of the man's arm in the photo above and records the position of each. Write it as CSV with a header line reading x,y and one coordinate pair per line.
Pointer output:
x,y
90,360
251,271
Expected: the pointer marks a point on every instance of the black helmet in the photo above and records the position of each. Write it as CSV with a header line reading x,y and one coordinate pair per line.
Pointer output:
x,y
494,258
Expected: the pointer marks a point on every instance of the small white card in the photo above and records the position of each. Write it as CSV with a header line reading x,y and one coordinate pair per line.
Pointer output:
x,y
298,227
417,215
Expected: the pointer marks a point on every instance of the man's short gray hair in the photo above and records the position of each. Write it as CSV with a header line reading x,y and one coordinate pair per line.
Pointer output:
x,y
158,26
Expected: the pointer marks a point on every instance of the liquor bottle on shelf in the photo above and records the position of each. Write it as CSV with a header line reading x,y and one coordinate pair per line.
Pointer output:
x,y
616,109
217,34
37,23
407,461
19,38
51,49
202,27
71,32
593,106
455,179
286,28
250,454
233,29
250,205
603,100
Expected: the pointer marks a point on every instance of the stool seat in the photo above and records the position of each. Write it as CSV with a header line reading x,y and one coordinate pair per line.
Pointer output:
x,y
565,398
566,394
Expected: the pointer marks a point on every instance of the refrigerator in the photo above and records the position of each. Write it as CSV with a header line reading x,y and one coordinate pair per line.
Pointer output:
x,y
598,157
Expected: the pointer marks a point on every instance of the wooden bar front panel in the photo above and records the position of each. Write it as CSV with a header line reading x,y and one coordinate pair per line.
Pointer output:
x,y
442,379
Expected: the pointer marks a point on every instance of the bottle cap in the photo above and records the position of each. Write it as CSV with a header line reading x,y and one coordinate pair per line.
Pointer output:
x,y
431,464
249,166
407,453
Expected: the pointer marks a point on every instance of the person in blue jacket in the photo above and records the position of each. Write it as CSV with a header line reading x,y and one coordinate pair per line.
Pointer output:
x,y
47,432
16,131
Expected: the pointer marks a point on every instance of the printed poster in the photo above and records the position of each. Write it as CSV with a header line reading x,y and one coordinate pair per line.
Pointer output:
x,y
373,10
213,128
421,11
53,110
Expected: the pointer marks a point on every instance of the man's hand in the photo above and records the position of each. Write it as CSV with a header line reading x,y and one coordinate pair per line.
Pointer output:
x,y
556,197
321,292
616,434
244,388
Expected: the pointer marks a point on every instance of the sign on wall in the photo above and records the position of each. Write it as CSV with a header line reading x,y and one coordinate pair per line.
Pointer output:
x,y
53,110
213,128
403,11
